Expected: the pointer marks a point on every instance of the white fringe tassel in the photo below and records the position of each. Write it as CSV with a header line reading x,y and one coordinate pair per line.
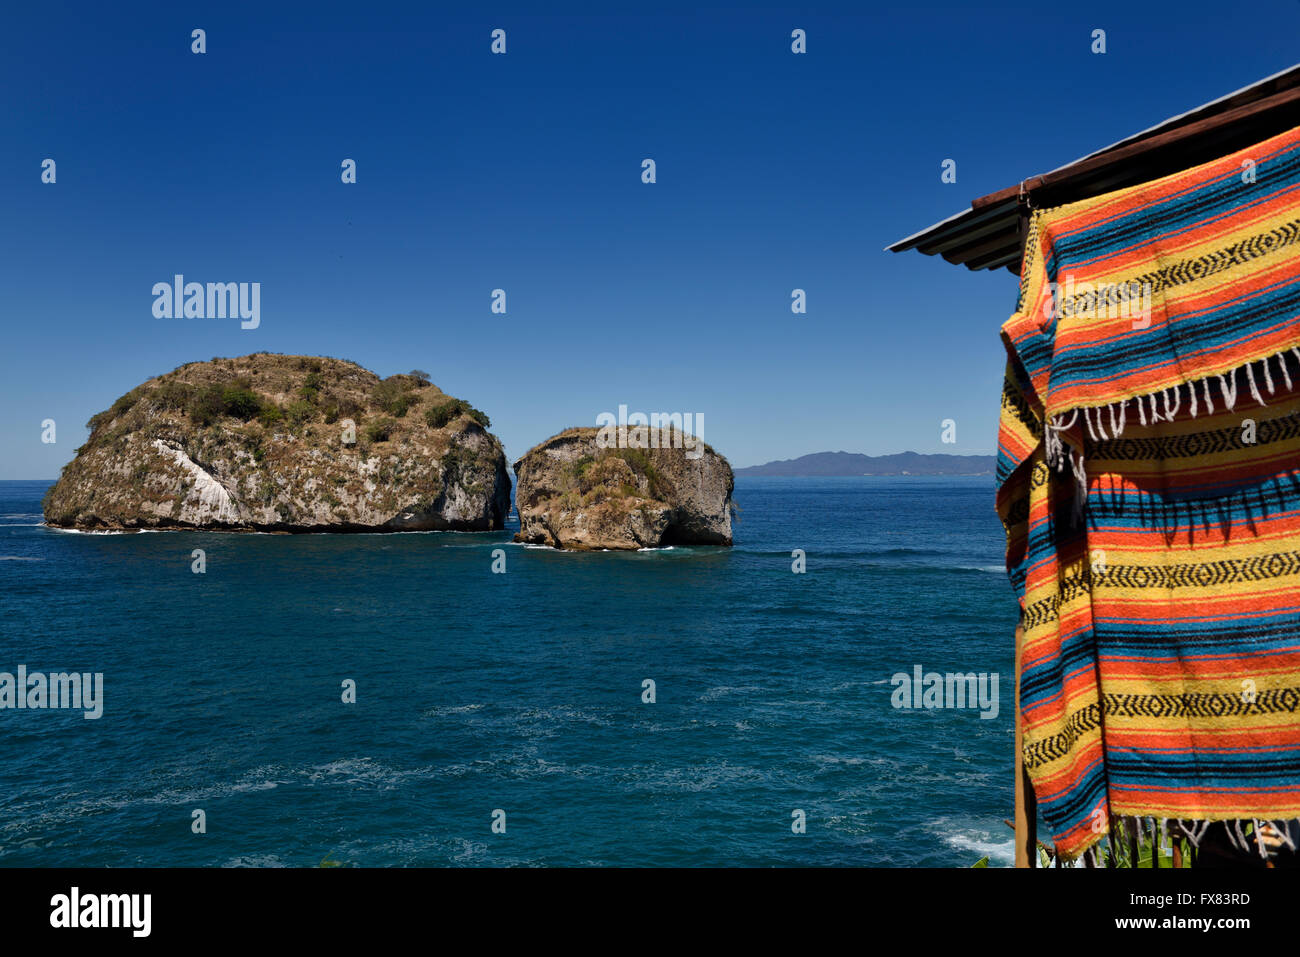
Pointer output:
x,y
1149,405
1172,399
1266,838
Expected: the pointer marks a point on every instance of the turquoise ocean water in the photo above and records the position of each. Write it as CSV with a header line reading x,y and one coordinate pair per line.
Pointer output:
x,y
519,691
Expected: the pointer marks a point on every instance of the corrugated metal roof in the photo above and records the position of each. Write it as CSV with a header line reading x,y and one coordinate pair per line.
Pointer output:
x,y
988,235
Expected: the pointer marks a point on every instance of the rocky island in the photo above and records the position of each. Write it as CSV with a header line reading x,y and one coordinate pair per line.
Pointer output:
x,y
576,494
285,443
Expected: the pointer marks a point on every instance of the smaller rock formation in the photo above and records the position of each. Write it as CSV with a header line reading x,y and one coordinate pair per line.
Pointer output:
x,y
574,494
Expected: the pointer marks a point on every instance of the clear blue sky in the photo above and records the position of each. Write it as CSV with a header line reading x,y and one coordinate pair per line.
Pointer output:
x,y
523,172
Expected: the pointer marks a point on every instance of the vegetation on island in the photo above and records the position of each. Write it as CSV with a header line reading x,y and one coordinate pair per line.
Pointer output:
x,y
267,411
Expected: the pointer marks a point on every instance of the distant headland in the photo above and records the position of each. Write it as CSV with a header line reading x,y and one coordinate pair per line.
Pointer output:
x,y
855,463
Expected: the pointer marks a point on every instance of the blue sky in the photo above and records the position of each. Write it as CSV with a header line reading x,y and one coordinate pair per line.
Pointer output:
x,y
523,172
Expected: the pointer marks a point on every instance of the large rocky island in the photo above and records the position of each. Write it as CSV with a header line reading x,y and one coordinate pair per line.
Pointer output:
x,y
285,443
576,494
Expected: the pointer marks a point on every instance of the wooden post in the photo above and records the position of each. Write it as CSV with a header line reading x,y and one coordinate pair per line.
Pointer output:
x,y
1026,816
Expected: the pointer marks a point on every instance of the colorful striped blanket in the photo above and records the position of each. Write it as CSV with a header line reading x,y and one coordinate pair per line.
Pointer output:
x,y
1149,484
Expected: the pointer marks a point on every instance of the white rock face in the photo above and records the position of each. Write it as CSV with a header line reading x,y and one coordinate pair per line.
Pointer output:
x,y
208,502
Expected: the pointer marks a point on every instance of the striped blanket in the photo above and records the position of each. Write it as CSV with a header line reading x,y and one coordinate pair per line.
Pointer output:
x,y
1149,484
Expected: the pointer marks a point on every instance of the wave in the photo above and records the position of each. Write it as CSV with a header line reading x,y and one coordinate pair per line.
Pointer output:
x,y
713,694
361,771
609,551
242,532
85,531
255,860
419,850
980,843
65,809
451,709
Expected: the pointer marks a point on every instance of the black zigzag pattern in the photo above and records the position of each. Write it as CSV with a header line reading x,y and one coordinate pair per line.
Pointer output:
x,y
1026,265
1041,612
1014,401
1038,753
1186,271
1201,705
1200,574
1216,441
1187,705
1230,571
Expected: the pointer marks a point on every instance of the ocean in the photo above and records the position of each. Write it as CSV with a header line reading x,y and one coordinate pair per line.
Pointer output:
x,y
516,697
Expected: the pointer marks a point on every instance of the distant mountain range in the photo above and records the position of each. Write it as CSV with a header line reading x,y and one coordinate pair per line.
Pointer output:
x,y
854,463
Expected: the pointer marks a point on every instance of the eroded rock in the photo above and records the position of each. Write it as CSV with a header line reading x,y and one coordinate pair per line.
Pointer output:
x,y
574,494
285,443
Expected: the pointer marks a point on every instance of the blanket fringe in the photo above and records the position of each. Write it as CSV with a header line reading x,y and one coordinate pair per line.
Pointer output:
x,y
1250,836
1059,455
